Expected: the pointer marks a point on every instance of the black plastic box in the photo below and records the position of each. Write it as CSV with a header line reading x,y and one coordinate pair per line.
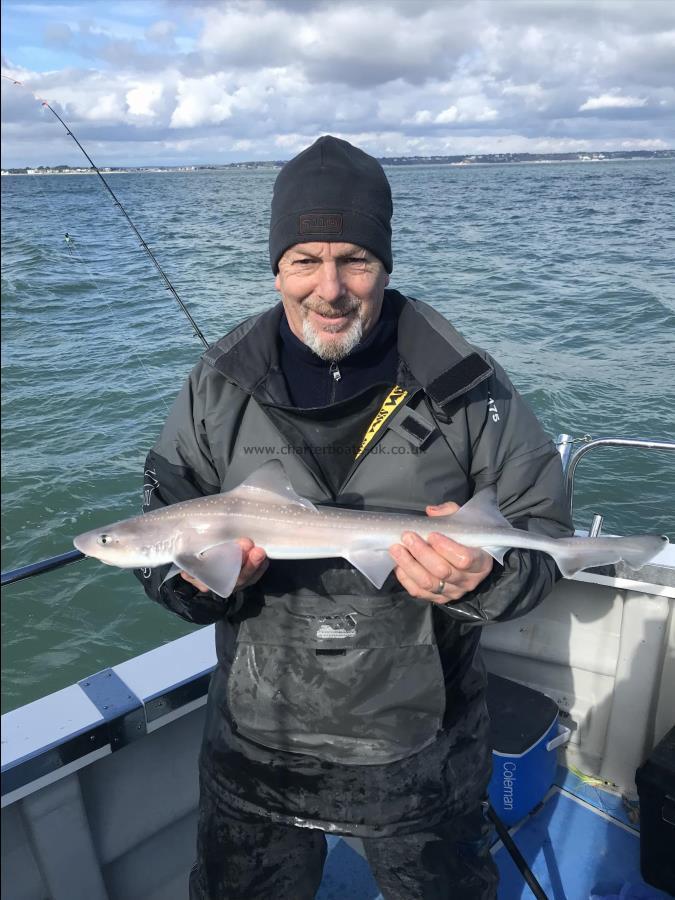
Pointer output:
x,y
655,781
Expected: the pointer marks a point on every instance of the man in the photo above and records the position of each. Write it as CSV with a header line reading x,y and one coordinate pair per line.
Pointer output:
x,y
336,707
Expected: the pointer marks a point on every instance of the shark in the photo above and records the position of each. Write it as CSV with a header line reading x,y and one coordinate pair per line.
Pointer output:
x,y
200,536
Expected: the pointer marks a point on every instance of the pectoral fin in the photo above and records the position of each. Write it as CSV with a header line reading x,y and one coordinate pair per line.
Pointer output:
x,y
374,564
497,553
218,566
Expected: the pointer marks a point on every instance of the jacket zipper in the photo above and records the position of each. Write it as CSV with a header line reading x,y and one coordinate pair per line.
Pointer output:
x,y
337,376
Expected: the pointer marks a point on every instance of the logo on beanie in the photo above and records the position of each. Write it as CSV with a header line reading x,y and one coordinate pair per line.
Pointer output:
x,y
320,223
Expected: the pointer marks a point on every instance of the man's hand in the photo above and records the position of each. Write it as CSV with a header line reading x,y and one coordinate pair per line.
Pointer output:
x,y
254,562
439,569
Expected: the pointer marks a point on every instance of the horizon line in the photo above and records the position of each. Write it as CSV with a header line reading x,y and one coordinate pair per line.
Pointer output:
x,y
382,159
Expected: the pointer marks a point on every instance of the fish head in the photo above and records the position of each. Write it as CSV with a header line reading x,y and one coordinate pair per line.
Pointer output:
x,y
124,544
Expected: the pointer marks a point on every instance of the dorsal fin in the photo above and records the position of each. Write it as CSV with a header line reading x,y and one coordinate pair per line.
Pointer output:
x,y
481,510
271,478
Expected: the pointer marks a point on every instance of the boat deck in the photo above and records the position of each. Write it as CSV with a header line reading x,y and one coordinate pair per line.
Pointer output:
x,y
580,844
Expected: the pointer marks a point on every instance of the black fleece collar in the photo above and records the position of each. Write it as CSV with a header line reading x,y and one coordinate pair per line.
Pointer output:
x,y
436,355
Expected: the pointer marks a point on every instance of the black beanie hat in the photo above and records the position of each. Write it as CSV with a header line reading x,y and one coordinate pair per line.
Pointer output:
x,y
332,191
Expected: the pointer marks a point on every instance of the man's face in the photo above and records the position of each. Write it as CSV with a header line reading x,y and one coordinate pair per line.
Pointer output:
x,y
332,295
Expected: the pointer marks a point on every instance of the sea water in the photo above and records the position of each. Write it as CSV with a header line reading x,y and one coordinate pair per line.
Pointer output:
x,y
564,272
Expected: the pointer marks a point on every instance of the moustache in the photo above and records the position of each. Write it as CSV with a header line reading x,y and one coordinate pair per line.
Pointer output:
x,y
330,311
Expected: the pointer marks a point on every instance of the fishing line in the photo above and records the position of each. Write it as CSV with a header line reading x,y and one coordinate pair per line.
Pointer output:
x,y
121,208
74,252
75,555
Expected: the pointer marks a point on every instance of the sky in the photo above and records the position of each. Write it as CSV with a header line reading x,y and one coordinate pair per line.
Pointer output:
x,y
186,82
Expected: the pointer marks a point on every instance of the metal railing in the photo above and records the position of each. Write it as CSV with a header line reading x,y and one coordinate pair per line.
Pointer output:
x,y
570,459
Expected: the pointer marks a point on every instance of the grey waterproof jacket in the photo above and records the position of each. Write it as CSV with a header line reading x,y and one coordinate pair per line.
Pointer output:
x,y
336,705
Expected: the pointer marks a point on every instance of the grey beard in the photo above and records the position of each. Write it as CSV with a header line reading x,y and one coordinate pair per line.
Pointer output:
x,y
335,347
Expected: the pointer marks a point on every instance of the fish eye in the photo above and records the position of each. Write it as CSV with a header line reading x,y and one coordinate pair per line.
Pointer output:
x,y
104,539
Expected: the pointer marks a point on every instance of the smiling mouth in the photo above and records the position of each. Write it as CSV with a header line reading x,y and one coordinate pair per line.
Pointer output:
x,y
332,318
332,314
332,323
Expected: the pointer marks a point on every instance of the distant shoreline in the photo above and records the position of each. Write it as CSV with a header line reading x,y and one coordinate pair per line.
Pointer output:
x,y
507,159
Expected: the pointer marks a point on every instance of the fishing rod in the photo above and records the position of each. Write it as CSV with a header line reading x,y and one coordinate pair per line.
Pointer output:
x,y
45,565
516,855
63,559
118,203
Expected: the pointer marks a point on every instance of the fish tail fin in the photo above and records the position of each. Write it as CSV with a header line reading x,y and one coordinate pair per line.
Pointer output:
x,y
574,554
638,551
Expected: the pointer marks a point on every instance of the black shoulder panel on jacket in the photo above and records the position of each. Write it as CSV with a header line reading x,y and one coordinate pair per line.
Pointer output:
x,y
436,353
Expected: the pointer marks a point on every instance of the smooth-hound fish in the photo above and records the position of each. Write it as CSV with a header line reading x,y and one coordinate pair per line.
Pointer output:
x,y
200,536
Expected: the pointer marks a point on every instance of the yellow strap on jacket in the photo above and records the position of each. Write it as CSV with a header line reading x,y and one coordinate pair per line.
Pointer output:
x,y
394,398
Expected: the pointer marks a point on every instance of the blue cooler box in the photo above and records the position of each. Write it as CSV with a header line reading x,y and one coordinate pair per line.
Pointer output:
x,y
525,735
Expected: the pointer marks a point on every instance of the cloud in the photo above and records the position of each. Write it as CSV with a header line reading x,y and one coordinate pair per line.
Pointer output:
x,y
201,101
253,77
467,109
612,101
162,33
143,98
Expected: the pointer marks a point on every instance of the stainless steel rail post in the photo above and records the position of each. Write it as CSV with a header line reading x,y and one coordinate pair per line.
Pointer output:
x,y
573,458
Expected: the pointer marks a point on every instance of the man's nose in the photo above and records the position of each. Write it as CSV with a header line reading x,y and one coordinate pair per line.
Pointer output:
x,y
330,286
